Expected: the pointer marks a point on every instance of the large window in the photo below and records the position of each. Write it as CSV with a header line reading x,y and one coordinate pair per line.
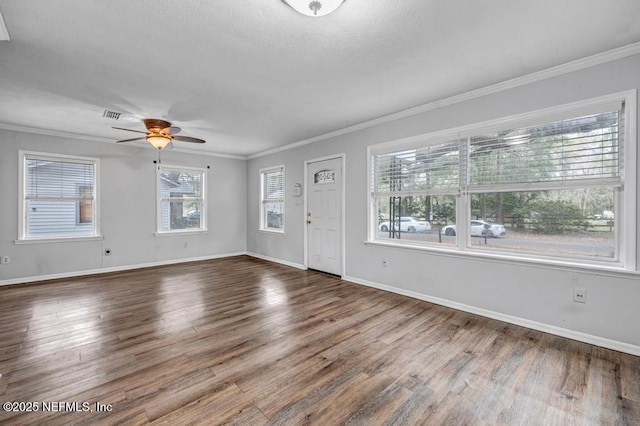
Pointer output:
x,y
59,196
272,199
552,185
181,199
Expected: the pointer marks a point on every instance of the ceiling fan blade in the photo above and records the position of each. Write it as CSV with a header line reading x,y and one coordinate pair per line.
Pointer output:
x,y
188,139
174,130
131,140
129,130
170,145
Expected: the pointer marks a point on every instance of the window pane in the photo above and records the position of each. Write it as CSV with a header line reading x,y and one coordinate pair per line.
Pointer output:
x,y
178,183
274,215
180,215
59,197
192,219
568,222
416,218
181,199
55,218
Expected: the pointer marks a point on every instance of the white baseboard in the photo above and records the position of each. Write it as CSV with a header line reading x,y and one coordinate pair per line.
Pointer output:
x,y
551,329
26,280
273,259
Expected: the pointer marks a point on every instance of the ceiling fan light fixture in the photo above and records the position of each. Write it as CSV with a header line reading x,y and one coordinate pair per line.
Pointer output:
x,y
158,141
315,8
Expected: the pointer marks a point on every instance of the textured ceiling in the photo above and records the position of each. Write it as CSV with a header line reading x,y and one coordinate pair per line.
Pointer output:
x,y
253,75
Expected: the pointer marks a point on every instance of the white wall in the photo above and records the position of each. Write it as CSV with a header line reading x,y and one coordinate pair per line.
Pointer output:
x,y
127,184
538,296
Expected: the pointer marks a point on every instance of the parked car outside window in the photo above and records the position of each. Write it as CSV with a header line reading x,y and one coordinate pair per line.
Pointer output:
x,y
406,224
479,228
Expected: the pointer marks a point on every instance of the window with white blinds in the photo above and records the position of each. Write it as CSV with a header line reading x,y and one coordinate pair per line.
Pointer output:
x,y
548,184
181,199
428,169
59,196
272,199
579,151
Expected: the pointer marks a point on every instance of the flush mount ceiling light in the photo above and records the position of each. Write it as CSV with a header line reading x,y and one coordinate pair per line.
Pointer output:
x,y
314,8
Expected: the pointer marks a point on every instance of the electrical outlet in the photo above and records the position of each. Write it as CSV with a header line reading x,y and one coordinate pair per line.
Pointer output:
x,y
580,294
5,259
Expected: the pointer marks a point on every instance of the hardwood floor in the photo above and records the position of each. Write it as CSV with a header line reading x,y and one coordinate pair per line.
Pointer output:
x,y
244,341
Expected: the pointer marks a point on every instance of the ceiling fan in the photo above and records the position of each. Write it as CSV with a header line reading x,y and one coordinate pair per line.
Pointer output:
x,y
159,133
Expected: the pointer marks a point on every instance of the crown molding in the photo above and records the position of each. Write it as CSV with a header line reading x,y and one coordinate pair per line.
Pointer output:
x,y
49,132
559,70
70,135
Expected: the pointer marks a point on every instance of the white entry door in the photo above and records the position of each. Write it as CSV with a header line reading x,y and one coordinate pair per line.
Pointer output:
x,y
324,215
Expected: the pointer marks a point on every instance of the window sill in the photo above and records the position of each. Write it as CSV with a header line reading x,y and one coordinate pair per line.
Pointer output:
x,y
272,231
614,269
58,240
181,232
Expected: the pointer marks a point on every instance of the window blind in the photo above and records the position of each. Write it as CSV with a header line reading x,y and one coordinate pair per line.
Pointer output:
x,y
59,197
423,170
273,185
571,152
58,180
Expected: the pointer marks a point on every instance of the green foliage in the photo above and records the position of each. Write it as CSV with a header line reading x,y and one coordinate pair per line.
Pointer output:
x,y
444,209
554,216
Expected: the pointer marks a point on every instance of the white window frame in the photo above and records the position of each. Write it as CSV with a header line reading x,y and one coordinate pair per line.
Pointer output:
x,y
626,231
264,201
23,156
202,199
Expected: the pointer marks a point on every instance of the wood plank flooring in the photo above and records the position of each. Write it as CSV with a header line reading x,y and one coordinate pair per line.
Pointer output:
x,y
247,342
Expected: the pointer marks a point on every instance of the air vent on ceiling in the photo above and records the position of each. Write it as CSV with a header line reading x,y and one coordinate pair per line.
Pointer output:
x,y
111,114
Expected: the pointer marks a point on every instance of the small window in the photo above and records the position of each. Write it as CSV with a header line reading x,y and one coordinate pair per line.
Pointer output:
x,y
324,176
272,199
59,196
181,199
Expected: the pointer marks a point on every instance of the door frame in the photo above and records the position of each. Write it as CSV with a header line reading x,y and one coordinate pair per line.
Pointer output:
x,y
342,157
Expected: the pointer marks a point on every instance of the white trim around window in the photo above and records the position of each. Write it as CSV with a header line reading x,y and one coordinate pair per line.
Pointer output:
x,y
566,176
58,197
181,200
272,199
